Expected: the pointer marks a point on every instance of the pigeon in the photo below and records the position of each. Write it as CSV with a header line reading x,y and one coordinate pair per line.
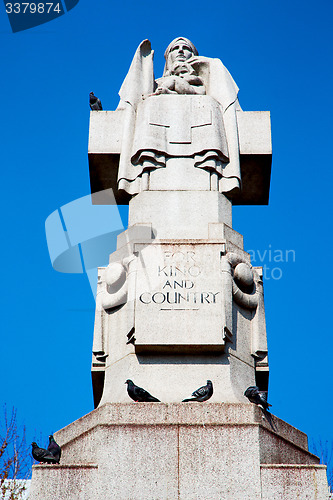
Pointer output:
x,y
42,455
260,398
95,103
138,394
54,448
202,394
257,397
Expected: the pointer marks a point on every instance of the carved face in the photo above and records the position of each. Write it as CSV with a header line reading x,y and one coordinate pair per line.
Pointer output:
x,y
180,52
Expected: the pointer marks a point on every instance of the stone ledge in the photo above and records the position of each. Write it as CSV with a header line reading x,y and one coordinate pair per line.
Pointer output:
x,y
293,466
285,481
180,450
189,414
58,482
65,466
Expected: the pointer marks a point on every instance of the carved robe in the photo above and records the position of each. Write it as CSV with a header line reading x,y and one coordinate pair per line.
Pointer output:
x,y
202,127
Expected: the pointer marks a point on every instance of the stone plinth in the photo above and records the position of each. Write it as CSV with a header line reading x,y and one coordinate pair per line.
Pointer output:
x,y
142,451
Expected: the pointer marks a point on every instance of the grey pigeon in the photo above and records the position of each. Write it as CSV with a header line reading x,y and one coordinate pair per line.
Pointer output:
x,y
95,103
138,394
257,397
202,394
54,448
260,398
42,455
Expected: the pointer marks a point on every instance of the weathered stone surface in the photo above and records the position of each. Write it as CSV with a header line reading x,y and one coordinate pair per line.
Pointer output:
x,y
254,132
253,128
274,450
189,450
210,464
180,377
282,482
207,413
180,214
72,481
181,288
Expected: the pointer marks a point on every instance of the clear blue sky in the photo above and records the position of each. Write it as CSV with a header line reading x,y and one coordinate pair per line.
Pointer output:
x,y
280,54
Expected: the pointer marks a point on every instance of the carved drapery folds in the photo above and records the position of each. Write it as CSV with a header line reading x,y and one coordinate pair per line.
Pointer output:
x,y
180,126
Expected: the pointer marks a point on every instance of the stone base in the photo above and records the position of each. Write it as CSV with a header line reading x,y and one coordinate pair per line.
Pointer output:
x,y
186,451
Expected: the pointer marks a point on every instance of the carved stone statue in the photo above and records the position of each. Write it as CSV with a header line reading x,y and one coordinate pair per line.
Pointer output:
x,y
179,76
188,115
178,148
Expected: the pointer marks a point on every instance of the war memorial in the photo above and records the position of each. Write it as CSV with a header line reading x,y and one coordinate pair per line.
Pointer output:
x,y
180,303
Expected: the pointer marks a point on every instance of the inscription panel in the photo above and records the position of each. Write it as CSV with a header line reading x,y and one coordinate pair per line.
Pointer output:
x,y
178,300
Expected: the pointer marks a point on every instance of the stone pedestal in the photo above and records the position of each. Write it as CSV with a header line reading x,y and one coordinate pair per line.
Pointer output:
x,y
150,451
167,306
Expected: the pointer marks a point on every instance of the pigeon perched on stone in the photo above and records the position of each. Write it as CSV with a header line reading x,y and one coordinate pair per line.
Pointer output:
x,y
260,398
42,455
202,394
54,448
95,103
138,394
257,397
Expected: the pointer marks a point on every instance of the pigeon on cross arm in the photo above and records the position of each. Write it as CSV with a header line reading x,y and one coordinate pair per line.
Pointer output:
x,y
95,103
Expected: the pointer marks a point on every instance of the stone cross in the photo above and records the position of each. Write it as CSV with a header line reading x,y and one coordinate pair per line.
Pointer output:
x,y
114,135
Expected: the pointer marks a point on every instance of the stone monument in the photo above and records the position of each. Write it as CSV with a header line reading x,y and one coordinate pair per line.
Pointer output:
x,y
180,303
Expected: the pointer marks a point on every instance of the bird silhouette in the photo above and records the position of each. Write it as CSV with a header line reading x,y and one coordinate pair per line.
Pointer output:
x,y
254,395
54,448
202,394
42,455
257,397
94,102
138,394
130,336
